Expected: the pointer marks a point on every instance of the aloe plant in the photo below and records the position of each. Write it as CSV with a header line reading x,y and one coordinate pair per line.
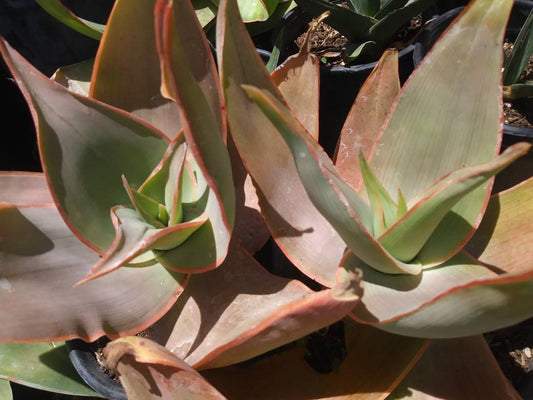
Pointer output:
x,y
407,198
369,26
145,217
142,211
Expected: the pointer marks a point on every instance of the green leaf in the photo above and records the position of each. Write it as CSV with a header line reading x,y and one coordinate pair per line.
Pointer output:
x,y
149,209
256,10
521,53
134,237
127,72
392,19
85,147
335,199
47,264
518,91
407,237
384,210
76,77
365,7
448,117
5,390
63,14
353,50
206,11
44,366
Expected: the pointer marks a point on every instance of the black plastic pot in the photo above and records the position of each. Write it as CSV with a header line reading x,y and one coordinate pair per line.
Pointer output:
x,y
339,85
434,30
83,358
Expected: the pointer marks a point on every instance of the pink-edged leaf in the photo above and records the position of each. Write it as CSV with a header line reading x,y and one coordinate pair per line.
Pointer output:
x,y
375,363
47,262
135,237
298,80
407,236
193,82
305,236
505,235
456,369
239,311
457,298
127,74
24,188
148,371
85,147
366,117
448,116
335,199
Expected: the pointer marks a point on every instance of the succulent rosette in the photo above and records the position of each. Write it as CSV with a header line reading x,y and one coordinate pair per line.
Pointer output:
x,y
407,199
142,197
146,216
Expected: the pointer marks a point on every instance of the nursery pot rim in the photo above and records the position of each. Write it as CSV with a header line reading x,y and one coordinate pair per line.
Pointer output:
x,y
83,359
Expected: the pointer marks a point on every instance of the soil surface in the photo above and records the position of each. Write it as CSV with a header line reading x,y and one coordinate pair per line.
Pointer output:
x,y
513,349
519,112
328,44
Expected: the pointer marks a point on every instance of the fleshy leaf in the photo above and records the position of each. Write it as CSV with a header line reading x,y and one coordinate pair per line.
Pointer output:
x,y
405,239
335,199
311,242
446,118
217,324
48,263
298,80
75,77
35,188
149,209
365,373
206,11
390,21
193,83
134,236
504,237
520,55
457,298
149,371
63,14
85,147
5,390
467,362
44,366
256,10
366,117
384,210
127,73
